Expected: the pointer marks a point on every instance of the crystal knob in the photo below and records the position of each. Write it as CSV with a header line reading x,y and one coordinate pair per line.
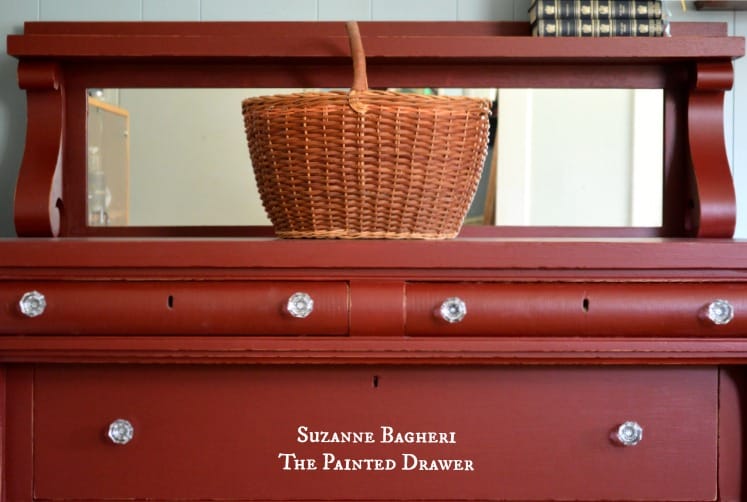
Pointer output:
x,y
453,310
32,304
719,312
121,431
300,305
629,434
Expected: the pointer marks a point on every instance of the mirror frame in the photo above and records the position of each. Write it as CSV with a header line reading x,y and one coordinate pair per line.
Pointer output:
x,y
58,61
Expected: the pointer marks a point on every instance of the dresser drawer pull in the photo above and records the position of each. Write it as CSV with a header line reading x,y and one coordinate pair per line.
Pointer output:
x,y
719,312
453,310
300,305
628,434
32,304
121,431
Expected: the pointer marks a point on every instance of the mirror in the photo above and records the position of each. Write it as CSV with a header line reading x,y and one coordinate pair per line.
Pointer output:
x,y
580,157
563,157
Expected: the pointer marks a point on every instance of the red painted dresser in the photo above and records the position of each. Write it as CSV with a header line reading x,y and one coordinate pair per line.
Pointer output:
x,y
507,364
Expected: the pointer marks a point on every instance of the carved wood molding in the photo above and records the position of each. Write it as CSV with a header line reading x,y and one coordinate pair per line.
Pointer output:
x,y
366,351
39,188
714,211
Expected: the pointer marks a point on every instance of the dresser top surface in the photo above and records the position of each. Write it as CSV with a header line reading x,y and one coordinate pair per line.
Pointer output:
x,y
457,254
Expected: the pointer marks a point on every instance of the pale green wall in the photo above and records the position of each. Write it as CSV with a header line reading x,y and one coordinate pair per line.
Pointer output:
x,y
14,12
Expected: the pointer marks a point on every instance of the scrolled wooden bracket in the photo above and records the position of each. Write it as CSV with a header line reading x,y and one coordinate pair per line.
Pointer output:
x,y
38,195
713,195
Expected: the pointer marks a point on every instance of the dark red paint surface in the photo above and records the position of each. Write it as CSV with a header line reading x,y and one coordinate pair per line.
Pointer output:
x,y
186,338
216,433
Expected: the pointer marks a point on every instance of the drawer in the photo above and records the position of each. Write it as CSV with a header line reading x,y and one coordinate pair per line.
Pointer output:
x,y
184,307
374,433
575,309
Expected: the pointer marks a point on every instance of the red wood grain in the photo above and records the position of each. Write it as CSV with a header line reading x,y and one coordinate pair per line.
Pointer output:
x,y
458,258
732,466
421,351
575,309
215,433
506,309
652,289
715,210
39,186
418,40
183,307
377,308
18,474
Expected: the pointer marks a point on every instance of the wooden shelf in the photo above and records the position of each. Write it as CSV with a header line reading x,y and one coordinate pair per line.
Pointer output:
x,y
721,5
508,42
276,257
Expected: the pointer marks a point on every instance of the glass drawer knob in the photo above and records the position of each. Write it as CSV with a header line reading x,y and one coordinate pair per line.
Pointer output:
x,y
720,312
121,431
32,304
453,310
629,434
300,305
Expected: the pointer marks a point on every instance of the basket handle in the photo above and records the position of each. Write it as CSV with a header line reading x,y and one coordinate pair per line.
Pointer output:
x,y
360,80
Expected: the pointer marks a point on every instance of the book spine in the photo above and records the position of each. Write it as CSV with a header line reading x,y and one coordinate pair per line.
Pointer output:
x,y
598,28
595,9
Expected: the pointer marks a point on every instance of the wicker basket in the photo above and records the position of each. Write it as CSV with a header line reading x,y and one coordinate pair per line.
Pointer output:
x,y
365,163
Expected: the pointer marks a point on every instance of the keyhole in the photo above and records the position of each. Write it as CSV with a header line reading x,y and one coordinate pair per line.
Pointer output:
x,y
375,381
170,302
585,304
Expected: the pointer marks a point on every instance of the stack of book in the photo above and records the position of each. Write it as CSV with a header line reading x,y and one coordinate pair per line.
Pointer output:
x,y
596,18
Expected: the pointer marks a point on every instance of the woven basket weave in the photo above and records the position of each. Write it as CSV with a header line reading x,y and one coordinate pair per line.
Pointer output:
x,y
365,163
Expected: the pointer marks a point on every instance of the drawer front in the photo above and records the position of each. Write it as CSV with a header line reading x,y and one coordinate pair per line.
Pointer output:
x,y
575,309
464,433
146,308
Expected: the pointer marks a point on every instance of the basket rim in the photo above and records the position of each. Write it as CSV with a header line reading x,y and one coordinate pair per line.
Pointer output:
x,y
375,93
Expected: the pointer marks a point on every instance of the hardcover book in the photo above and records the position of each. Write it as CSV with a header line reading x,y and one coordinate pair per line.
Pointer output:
x,y
598,28
595,9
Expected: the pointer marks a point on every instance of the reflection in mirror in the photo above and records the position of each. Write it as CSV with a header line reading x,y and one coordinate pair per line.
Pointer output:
x,y
580,157
563,157
108,182
187,164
